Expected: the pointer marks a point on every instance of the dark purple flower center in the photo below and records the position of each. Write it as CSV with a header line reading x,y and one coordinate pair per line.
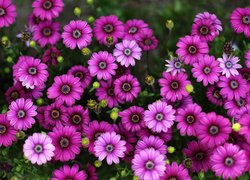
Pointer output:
x,y
231,140
148,42
76,119
199,156
246,19
172,178
192,49
127,52
64,142
214,130
102,65
53,55
76,34
216,94
190,119
38,148
110,92
32,71
177,64
55,114
132,30
241,102
3,129
126,87
109,148
207,70
229,161
228,64
21,113
108,28
176,103
204,30
14,95
47,5
234,84
174,85
135,118
97,134
2,11
79,74
47,31
246,76
188,163
149,165
65,89
159,116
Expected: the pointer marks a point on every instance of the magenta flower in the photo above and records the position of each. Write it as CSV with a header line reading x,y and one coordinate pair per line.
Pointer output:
x,y
179,103
233,87
236,108
176,172
188,118
35,93
67,172
133,118
50,56
166,136
77,34
147,40
67,142
21,114
206,70
91,172
14,92
110,146
191,48
38,148
7,132
7,13
31,72
47,33
127,87
159,117
133,28
108,29
213,130
228,161
240,20
34,20
229,65
126,52
247,56
245,126
148,164
67,88
47,9
214,96
173,87
174,65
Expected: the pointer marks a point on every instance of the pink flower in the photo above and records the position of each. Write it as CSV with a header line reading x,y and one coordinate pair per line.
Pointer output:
x,y
175,171
245,126
174,65
7,13
50,56
133,29
147,41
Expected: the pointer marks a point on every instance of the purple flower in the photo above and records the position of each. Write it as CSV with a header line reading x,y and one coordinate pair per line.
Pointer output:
x,y
147,40
91,172
245,126
174,65
14,92
7,13
133,28
214,96
236,108
50,56
176,172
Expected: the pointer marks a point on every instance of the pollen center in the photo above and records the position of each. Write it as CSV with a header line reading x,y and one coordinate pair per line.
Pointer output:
x,y
32,71
76,34
207,70
234,84
65,89
47,5
149,165
102,65
126,87
38,148
132,30
109,148
3,129
190,119
204,30
21,114
127,52
2,12
47,32
79,74
246,20
76,119
229,161
159,116
135,118
174,85
213,130
55,113
64,142
192,49
108,28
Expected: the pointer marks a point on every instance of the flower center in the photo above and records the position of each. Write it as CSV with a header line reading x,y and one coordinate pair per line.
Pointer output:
x,y
190,119
148,42
246,76
47,5
97,134
65,89
132,30
172,178
176,103
111,92
199,156
32,71
3,129
64,142
135,118
76,119
38,148
204,30
229,161
174,85
55,113
188,163
127,52
108,28
109,148
47,32
192,49
25,36
2,12
21,114
213,130
126,87
207,70
102,65
228,64
216,94
14,95
241,102
246,19
159,116
177,64
234,84
76,34
149,165
79,74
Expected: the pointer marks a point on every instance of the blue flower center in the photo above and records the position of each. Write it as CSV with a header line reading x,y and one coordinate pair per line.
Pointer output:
x,y
47,5
3,129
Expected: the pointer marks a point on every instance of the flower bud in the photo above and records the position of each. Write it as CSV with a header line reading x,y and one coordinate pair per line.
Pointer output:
x,y
32,44
103,103
149,80
97,163
20,135
169,24
91,104
114,115
85,141
77,11
189,88
91,19
96,85
236,127
39,101
60,59
9,59
171,149
86,51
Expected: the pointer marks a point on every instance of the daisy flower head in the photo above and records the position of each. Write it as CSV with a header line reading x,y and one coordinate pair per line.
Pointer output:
x,y
174,65
91,172
175,171
147,40
50,56
133,28
179,103
236,108
7,13
214,96
245,126
14,92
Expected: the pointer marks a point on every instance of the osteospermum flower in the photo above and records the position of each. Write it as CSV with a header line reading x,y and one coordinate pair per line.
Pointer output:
x,y
200,156
213,130
233,87
110,146
206,70
67,142
7,13
132,118
21,114
47,9
240,20
133,28
50,56
7,132
77,34
27,35
179,103
38,148
108,29
175,171
236,108
147,40
159,117
245,126
174,65
67,88
126,52
145,132
127,87
67,172
148,164
228,161
91,172
229,65
188,118
214,96
31,72
191,48
34,20
47,33
14,92
102,65
173,86
247,56
35,93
